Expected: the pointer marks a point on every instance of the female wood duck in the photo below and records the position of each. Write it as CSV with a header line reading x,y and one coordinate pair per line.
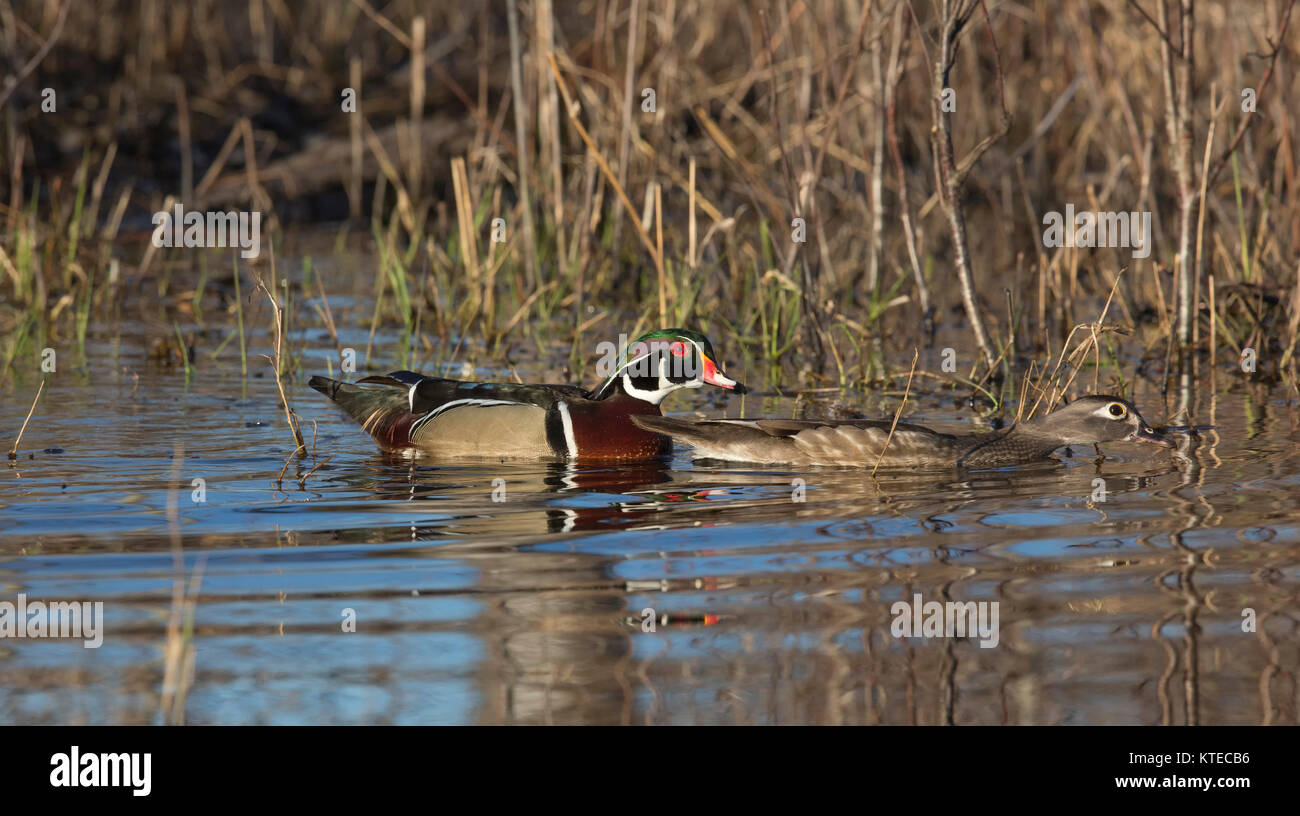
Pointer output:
x,y
858,443
451,418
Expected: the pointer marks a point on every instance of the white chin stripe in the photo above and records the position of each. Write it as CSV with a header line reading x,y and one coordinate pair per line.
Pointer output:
x,y
567,421
666,386
652,397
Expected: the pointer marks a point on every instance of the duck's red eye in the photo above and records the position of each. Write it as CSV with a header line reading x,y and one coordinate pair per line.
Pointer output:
x,y
679,349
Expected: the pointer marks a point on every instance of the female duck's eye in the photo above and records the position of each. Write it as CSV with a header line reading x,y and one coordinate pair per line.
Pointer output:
x,y
1116,410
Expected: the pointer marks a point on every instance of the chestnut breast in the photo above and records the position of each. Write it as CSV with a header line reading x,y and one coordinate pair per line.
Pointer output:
x,y
603,429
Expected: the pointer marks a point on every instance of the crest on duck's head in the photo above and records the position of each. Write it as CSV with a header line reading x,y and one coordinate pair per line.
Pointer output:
x,y
664,360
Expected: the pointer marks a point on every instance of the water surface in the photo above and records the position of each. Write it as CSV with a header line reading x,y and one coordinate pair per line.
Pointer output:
x,y
771,596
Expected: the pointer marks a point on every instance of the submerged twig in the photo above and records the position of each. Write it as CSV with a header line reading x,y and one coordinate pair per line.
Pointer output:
x,y
302,480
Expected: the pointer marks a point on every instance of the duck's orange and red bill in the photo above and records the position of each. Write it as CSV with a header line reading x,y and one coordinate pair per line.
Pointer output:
x,y
714,376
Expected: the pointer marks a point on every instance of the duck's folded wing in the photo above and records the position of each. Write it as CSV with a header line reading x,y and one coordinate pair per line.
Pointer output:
x,y
845,442
737,440
711,432
427,394
864,443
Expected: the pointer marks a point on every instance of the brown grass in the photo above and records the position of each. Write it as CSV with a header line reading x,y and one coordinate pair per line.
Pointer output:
x,y
764,113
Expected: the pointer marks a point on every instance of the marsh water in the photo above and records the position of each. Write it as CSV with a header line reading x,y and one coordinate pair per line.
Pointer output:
x,y
496,592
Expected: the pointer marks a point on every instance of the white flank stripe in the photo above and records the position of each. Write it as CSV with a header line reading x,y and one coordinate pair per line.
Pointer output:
x,y
459,402
567,421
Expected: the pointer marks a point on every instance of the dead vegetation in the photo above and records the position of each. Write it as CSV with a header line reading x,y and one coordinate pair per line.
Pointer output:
x,y
819,185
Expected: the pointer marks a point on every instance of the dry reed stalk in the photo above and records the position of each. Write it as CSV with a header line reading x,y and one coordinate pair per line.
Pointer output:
x,y
916,353
465,221
625,127
152,250
950,175
11,270
528,302
97,190
548,116
659,248
829,134
483,77
257,196
898,48
1249,118
219,163
521,141
302,480
799,202
405,208
691,245
383,22
16,186
327,317
732,153
278,314
1177,68
13,451
279,479
668,165
1214,336
1090,343
1200,217
572,111
415,159
355,179
185,137
1025,383
877,171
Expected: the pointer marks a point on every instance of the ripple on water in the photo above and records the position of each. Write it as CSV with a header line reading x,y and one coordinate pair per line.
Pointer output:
x,y
770,589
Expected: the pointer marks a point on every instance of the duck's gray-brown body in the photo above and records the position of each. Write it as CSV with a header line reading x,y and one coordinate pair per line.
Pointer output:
x,y
862,443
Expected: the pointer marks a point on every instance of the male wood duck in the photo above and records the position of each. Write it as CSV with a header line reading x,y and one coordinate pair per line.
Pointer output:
x,y
858,443
451,418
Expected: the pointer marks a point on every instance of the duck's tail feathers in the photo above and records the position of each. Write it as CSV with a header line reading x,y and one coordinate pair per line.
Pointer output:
x,y
380,404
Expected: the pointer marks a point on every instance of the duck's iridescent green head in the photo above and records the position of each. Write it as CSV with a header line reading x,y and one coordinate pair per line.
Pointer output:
x,y
659,362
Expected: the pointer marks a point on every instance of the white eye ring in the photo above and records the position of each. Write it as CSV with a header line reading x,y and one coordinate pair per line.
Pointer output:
x,y
1117,410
